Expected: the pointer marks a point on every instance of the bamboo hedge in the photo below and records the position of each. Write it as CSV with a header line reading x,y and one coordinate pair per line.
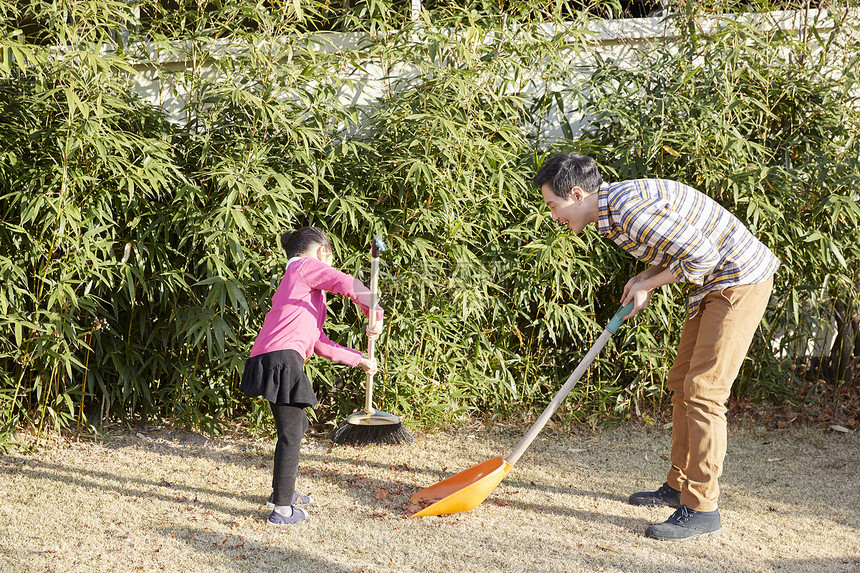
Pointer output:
x,y
138,255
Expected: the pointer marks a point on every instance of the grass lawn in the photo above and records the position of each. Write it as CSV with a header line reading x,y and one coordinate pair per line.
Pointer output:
x,y
156,499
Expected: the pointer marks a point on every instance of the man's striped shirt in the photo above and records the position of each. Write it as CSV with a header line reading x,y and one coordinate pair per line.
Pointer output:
x,y
666,223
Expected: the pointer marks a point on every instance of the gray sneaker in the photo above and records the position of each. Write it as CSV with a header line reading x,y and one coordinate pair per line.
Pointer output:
x,y
298,516
663,496
685,524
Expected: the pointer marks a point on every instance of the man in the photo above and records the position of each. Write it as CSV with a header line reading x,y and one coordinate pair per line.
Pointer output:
x,y
686,237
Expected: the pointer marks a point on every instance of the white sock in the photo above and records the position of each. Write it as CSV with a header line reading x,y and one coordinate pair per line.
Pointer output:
x,y
285,510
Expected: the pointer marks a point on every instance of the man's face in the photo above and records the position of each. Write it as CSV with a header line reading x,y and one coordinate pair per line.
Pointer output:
x,y
570,212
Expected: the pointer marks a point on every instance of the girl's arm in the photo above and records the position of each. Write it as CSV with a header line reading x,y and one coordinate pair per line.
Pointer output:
x,y
362,297
321,276
335,352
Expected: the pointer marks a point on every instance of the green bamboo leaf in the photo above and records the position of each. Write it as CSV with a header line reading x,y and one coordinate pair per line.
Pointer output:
x,y
834,248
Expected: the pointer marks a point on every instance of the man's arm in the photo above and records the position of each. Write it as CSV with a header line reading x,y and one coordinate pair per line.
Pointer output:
x,y
639,288
670,239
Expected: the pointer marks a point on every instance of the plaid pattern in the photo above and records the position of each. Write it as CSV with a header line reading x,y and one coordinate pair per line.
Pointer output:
x,y
669,224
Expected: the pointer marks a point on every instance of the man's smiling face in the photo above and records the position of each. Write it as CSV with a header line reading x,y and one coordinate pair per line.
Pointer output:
x,y
573,212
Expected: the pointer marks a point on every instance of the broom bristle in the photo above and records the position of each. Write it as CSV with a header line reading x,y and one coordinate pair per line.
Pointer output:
x,y
360,435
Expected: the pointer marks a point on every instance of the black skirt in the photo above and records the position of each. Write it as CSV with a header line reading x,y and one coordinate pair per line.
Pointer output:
x,y
279,377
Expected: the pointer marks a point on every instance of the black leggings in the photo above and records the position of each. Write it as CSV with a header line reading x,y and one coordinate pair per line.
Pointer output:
x,y
291,422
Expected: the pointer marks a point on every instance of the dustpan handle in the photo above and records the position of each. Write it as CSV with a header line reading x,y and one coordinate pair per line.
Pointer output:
x,y
536,428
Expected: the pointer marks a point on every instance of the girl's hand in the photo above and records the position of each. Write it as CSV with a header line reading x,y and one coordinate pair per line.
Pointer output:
x,y
369,365
373,333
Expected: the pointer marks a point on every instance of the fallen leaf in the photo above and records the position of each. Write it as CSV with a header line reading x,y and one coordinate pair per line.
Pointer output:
x,y
382,493
838,428
414,506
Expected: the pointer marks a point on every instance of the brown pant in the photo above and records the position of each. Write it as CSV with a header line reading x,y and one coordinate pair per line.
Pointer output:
x,y
712,348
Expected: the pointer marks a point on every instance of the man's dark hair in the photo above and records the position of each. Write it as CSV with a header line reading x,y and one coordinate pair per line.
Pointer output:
x,y
566,171
300,241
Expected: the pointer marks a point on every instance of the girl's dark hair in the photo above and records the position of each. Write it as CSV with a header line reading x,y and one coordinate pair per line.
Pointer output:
x,y
301,241
566,171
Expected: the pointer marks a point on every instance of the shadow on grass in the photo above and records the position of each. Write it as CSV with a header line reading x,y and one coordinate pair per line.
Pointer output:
x,y
218,551
121,485
848,564
359,485
433,476
192,445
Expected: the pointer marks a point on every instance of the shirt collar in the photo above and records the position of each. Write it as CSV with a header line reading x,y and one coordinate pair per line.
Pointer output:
x,y
604,224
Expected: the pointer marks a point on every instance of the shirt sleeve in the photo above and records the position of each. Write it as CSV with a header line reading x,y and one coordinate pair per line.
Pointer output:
x,y
689,255
321,276
335,352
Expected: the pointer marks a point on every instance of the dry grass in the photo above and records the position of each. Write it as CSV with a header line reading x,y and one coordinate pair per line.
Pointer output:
x,y
162,500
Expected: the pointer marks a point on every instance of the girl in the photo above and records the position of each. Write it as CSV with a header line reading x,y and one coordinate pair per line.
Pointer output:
x,y
291,332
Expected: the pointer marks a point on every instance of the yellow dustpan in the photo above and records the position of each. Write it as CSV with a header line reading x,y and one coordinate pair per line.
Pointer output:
x,y
469,488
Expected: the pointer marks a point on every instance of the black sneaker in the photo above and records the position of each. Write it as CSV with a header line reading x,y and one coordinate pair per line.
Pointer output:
x,y
663,496
686,524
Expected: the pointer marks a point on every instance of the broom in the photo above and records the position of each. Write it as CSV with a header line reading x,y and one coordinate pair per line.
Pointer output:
x,y
371,426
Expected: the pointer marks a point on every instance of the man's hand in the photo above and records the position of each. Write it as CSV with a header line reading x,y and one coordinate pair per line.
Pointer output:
x,y
629,286
636,290
639,288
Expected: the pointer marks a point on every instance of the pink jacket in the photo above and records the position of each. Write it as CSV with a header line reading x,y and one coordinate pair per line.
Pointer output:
x,y
299,308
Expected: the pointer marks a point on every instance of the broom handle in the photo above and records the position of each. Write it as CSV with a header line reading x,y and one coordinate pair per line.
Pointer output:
x,y
571,382
374,277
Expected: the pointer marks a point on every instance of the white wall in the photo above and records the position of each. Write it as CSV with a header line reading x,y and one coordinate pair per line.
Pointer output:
x,y
620,40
